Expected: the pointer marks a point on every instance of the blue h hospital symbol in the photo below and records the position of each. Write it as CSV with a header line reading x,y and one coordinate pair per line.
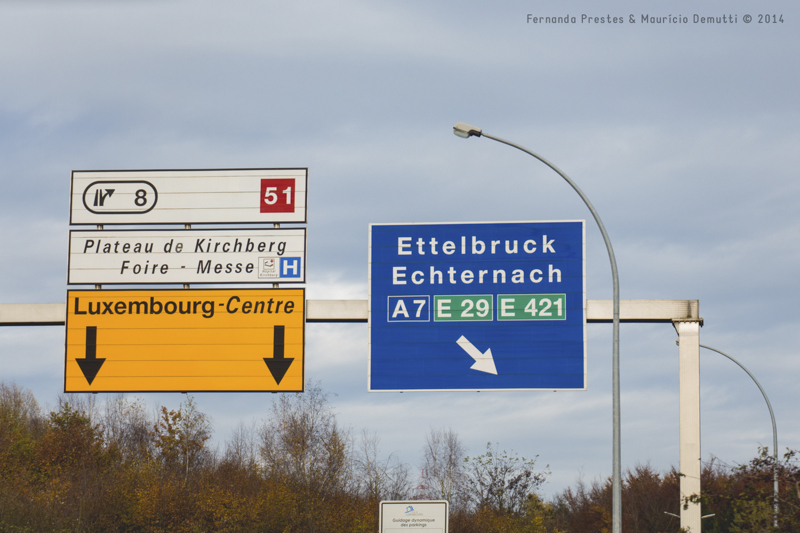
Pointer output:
x,y
290,267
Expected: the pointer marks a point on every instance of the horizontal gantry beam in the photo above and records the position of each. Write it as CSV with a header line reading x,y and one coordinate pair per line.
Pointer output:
x,y
596,310
54,314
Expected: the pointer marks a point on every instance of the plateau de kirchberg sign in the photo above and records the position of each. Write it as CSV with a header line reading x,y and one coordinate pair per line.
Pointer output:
x,y
189,196
187,256
477,306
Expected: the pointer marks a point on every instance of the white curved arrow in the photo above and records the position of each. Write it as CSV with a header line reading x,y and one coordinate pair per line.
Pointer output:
x,y
483,361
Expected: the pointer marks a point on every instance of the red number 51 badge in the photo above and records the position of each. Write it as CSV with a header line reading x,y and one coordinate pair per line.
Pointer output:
x,y
277,195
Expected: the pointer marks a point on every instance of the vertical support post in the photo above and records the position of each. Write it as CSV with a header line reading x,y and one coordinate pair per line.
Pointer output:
x,y
276,285
98,287
690,466
186,286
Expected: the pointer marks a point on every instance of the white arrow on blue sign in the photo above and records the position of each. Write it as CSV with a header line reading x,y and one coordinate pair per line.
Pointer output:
x,y
477,306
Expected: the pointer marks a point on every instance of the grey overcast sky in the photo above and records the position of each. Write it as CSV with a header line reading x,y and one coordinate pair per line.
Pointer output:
x,y
685,134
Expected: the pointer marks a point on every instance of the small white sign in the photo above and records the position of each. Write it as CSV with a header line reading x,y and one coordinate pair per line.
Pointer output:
x,y
430,516
189,196
110,257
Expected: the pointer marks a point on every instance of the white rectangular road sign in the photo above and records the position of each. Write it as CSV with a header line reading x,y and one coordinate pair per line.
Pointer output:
x,y
430,516
189,196
268,255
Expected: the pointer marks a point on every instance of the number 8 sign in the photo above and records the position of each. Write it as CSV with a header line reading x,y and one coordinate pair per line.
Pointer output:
x,y
277,195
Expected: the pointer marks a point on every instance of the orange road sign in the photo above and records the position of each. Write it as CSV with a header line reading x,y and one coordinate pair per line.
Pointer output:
x,y
235,340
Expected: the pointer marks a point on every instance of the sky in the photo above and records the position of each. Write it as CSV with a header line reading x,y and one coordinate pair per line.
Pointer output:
x,y
684,135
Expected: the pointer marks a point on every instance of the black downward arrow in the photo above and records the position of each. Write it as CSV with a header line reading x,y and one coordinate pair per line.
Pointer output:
x,y
278,365
90,365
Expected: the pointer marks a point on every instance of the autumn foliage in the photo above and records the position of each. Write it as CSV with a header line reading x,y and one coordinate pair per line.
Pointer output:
x,y
114,468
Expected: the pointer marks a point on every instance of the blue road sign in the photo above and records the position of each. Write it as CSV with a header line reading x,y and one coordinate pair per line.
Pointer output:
x,y
477,306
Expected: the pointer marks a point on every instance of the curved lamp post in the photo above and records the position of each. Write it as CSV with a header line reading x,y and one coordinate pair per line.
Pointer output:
x,y
774,436
466,131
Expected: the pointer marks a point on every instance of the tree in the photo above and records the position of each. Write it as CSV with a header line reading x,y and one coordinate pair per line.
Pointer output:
x,y
128,428
72,440
741,497
21,427
21,423
501,482
646,497
379,479
302,443
444,466
180,437
19,409
73,470
304,449
241,448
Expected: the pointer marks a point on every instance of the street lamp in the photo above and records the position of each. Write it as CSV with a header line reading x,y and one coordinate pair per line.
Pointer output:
x,y
774,436
466,131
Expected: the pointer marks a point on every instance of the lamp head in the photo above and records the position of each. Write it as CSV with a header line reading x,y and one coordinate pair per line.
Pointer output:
x,y
465,130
